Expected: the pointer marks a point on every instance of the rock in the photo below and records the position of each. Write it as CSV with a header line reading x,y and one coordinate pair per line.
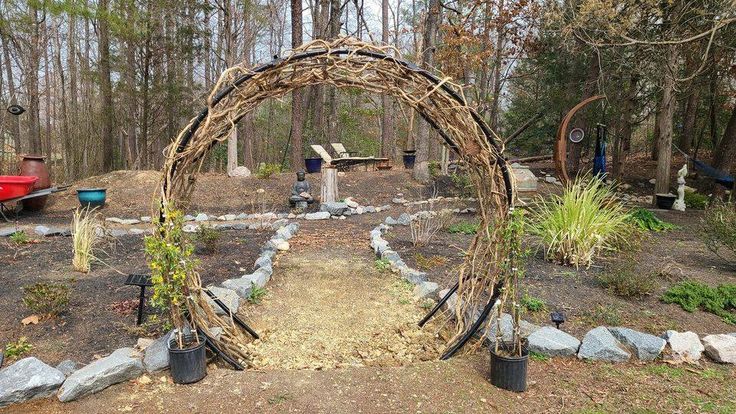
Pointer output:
x,y
146,219
647,347
685,345
322,215
390,221
242,286
28,379
721,348
190,228
283,246
118,232
41,230
425,290
351,203
67,367
227,296
279,223
143,343
379,245
8,231
399,200
239,226
262,261
136,231
553,342
215,332
201,217
275,241
241,171
600,345
122,365
157,354
413,276
525,179
370,209
653,181
391,256
227,217
404,219
58,231
335,209
258,278
550,179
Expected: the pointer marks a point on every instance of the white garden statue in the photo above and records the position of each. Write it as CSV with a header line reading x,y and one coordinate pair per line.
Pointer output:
x,y
679,204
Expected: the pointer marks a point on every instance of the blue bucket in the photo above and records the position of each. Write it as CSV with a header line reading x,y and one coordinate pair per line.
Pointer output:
x,y
314,165
92,197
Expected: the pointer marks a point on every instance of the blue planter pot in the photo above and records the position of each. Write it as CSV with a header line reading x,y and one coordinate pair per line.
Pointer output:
x,y
92,197
314,165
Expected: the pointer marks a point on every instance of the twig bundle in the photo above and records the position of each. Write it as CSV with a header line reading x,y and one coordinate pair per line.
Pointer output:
x,y
349,63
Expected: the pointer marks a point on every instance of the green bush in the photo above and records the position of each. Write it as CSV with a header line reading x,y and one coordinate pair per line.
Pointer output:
x,y
256,294
207,237
692,296
696,201
47,299
266,170
626,281
645,220
718,229
464,227
581,223
20,237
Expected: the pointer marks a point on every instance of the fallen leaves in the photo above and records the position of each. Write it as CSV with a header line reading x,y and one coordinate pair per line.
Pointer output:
x,y
30,320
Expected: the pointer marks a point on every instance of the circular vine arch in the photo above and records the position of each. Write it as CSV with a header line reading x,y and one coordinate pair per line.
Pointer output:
x,y
349,63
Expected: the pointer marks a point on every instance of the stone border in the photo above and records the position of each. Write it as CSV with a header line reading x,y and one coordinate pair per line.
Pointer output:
x,y
611,344
30,378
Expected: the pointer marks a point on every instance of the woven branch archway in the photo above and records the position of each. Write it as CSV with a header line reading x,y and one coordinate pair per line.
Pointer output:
x,y
347,62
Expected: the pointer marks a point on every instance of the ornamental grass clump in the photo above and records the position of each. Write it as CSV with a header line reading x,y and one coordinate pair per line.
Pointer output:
x,y
171,263
86,233
581,223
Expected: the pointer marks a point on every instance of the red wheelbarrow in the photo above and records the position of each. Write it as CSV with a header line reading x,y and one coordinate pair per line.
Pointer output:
x,y
14,188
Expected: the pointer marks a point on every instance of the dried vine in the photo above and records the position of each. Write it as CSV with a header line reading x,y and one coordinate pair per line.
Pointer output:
x,y
349,63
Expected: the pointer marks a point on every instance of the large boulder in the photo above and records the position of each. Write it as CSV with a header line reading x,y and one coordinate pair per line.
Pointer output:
x,y
684,345
27,379
227,296
600,345
412,275
425,290
721,348
404,219
122,365
553,342
157,354
335,208
647,347
67,367
242,286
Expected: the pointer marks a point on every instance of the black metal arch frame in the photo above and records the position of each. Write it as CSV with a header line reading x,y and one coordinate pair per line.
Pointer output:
x,y
224,92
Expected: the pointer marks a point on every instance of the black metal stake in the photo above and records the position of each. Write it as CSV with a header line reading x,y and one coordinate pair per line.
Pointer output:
x,y
227,310
141,303
474,328
439,304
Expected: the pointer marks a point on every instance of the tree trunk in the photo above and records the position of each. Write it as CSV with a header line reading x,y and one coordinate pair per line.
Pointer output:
x,y
723,158
623,143
666,115
107,109
34,58
328,191
331,98
13,98
388,133
690,115
421,164
297,102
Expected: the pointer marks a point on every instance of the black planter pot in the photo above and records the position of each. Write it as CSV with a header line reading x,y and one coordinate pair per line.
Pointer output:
x,y
509,373
409,158
665,201
187,365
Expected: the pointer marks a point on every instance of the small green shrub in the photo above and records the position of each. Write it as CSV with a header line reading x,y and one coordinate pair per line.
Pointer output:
x,y
435,169
603,315
47,299
718,229
463,183
20,237
18,348
692,296
581,223
464,227
645,220
626,281
207,237
532,304
536,356
266,170
256,294
383,265
696,201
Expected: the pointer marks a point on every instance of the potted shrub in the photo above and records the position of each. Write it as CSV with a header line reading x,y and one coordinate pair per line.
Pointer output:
x,y
171,263
509,360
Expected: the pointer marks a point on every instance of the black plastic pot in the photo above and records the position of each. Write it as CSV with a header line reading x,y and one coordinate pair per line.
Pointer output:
x,y
409,158
665,201
187,365
509,373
